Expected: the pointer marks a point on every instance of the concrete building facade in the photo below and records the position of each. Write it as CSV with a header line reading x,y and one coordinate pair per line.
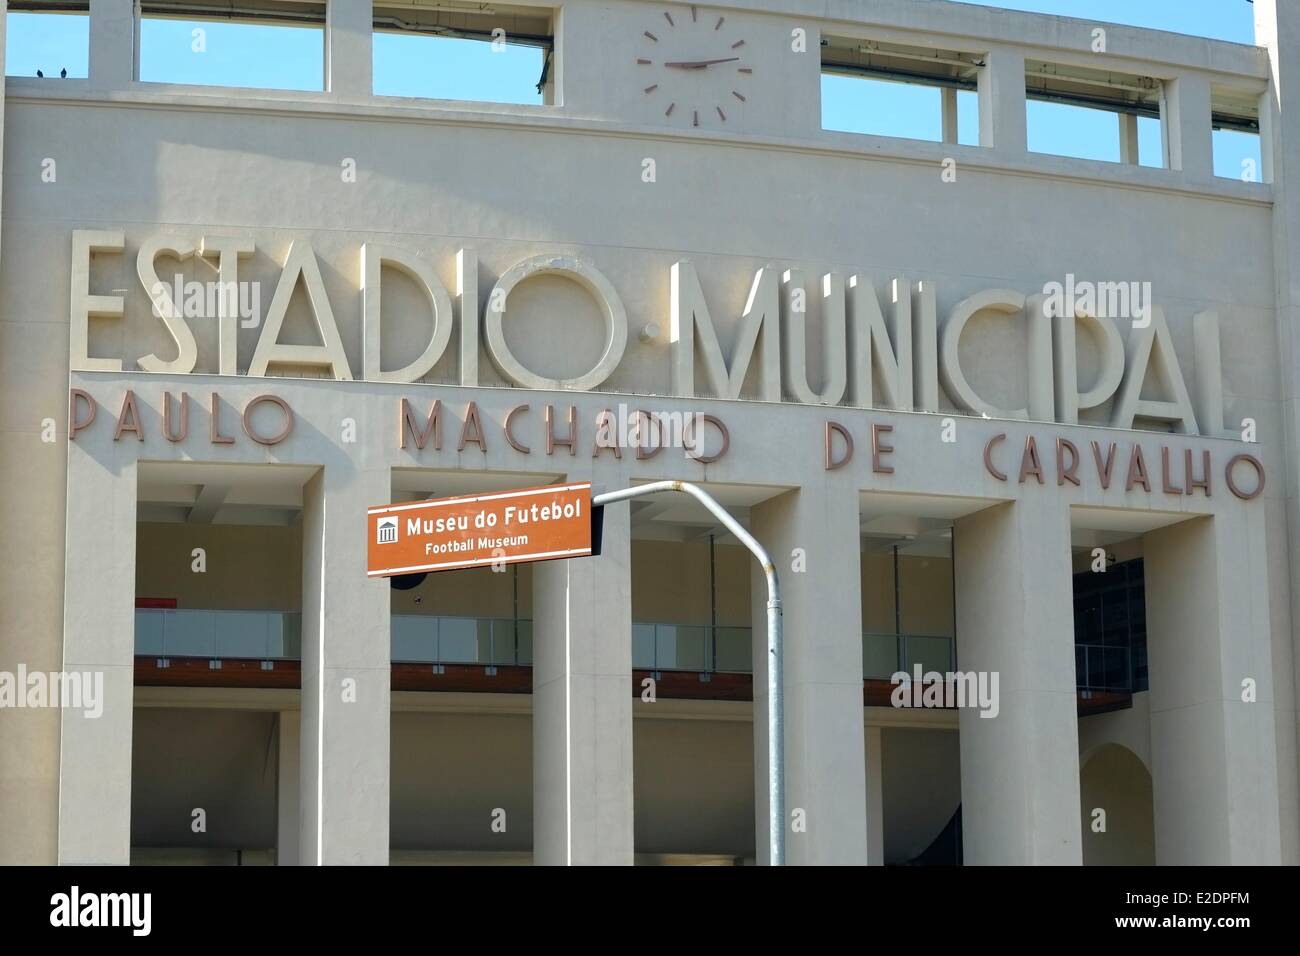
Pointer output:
x,y
920,373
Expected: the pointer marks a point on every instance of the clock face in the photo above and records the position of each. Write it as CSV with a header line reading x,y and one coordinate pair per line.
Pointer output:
x,y
693,68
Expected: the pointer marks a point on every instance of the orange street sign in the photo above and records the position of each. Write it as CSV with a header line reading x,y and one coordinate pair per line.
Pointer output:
x,y
504,527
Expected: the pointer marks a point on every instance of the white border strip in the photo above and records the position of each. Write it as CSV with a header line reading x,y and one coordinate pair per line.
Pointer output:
x,y
463,499
512,559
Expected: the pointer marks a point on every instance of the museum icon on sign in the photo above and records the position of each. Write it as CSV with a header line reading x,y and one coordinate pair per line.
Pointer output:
x,y
386,532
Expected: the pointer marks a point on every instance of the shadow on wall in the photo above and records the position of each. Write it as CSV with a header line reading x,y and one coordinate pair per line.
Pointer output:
x,y
922,791
222,762
1118,818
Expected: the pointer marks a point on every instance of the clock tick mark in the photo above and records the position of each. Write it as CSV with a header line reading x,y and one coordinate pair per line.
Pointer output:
x,y
651,36
669,111
643,61
718,25
746,69
738,96
695,121
721,114
738,44
651,88
694,13
669,17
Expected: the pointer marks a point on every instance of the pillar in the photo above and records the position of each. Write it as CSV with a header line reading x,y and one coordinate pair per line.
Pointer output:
x,y
346,673
288,742
98,638
1214,772
1186,114
1014,602
349,45
812,536
582,703
948,112
114,35
1277,29
1002,101
31,604
1128,138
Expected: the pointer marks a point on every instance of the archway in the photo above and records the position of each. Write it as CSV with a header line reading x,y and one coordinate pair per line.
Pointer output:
x,y
1113,779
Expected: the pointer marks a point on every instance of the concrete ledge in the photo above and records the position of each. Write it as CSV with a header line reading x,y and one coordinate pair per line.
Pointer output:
x,y
555,120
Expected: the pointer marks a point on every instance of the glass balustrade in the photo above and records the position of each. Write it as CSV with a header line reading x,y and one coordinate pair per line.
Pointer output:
x,y
259,635
884,655
430,639
691,647
424,638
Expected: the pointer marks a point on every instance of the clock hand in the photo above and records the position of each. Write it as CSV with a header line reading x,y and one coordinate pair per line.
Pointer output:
x,y
700,64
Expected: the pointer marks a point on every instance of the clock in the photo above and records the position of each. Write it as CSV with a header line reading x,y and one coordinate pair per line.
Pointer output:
x,y
693,68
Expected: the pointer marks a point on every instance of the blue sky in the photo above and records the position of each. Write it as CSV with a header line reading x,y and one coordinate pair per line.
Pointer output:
x,y
291,58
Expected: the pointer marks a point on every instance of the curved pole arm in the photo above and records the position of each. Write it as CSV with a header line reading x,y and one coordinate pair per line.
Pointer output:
x,y
775,681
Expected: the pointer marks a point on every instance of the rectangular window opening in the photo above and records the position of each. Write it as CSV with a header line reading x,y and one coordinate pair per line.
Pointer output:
x,y
887,89
1237,145
50,38
1085,113
260,44
474,53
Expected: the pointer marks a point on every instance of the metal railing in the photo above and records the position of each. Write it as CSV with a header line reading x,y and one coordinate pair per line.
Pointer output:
x,y
256,635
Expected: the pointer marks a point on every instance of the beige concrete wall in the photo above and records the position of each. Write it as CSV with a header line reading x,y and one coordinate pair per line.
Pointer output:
x,y
924,594
450,772
670,585
922,788
694,787
219,761
256,568
1115,782
471,592
670,582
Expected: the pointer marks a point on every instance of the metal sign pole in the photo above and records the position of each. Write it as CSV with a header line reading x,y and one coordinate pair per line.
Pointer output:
x,y
775,681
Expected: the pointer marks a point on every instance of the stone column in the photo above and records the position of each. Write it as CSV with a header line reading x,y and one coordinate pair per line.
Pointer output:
x,y
1277,28
349,45
582,703
346,673
1128,138
1019,769
114,36
948,111
1187,121
812,537
1002,101
98,639
30,604
1214,771
287,782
